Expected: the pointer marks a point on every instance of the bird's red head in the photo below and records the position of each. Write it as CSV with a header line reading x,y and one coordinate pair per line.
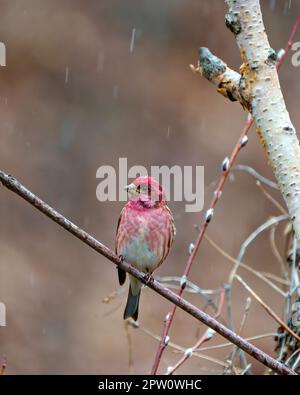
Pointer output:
x,y
146,190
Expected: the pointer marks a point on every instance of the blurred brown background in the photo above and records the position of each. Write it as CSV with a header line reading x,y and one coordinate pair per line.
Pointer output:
x,y
74,97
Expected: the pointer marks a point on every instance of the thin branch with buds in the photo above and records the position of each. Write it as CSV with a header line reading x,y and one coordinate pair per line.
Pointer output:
x,y
208,335
176,347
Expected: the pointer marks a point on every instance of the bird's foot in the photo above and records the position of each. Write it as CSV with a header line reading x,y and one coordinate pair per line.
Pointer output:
x,y
149,279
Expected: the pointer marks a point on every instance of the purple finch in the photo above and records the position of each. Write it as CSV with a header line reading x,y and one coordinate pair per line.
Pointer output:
x,y
145,233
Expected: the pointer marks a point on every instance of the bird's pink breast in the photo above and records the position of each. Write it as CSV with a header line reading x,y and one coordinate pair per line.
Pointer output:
x,y
144,235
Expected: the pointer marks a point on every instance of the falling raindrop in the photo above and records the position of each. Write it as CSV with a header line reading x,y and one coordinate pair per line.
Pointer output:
x,y
168,132
115,91
31,279
287,6
67,75
132,41
272,4
100,62
5,100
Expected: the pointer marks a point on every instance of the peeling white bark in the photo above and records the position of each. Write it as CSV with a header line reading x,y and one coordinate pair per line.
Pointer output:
x,y
257,88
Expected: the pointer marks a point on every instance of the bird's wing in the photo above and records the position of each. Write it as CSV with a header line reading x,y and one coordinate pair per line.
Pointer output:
x,y
171,232
121,272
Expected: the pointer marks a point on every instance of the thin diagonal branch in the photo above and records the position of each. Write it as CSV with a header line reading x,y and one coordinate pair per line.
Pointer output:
x,y
15,186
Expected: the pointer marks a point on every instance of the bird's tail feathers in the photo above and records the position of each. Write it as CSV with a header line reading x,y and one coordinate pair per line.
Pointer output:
x,y
132,305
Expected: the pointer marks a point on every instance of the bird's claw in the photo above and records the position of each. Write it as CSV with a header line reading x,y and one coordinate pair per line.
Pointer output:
x,y
148,278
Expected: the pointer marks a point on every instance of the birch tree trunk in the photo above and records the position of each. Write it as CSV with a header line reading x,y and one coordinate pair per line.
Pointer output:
x,y
257,88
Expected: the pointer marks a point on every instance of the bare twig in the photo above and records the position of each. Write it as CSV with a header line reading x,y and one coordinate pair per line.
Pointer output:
x,y
290,42
269,223
276,252
190,286
249,289
176,347
267,308
235,349
292,356
244,266
255,174
276,278
222,345
271,198
204,338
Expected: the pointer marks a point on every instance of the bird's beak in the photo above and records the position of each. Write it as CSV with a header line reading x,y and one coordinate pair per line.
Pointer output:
x,y
127,187
131,189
